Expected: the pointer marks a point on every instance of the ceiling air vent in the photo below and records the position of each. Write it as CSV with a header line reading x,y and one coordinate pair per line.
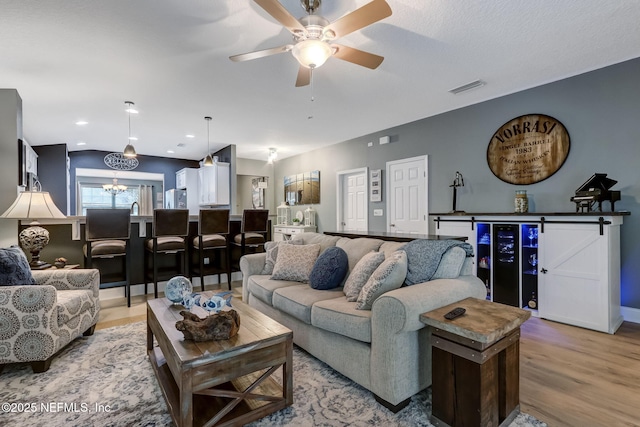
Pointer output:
x,y
468,86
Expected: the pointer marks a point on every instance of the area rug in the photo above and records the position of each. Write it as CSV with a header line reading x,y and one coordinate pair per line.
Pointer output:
x,y
107,380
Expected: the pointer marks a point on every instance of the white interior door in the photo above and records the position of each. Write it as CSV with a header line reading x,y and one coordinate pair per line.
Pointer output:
x,y
407,196
353,214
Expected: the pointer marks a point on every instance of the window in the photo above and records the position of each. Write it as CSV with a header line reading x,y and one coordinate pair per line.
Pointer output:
x,y
93,196
143,188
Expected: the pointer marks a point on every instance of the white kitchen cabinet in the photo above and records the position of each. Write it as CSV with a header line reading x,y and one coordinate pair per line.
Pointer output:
x,y
577,267
286,232
187,178
214,184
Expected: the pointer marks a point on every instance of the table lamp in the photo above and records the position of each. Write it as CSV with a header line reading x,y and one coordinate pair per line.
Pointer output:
x,y
33,205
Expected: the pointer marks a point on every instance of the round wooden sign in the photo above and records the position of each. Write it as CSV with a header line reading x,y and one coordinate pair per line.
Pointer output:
x,y
528,149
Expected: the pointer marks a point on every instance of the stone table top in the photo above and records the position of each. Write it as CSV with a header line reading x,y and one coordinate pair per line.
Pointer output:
x,y
484,321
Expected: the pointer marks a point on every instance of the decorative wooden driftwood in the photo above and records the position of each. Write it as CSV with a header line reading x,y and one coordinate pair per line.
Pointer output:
x,y
219,326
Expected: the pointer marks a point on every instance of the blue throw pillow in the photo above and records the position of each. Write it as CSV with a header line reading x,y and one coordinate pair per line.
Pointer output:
x,y
330,269
14,267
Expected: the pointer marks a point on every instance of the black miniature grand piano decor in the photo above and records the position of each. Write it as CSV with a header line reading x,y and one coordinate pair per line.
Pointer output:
x,y
595,190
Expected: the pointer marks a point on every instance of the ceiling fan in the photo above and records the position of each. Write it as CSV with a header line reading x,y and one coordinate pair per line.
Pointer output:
x,y
313,36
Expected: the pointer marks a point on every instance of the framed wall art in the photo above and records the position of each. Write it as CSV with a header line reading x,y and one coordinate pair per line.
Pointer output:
x,y
302,188
375,185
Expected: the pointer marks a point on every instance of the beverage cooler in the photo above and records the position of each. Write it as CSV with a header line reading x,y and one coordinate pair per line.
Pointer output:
x,y
506,268
483,253
529,266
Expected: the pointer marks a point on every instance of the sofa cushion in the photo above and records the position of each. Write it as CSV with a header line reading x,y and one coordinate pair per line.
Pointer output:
x,y
298,300
325,241
361,273
423,257
388,276
14,267
330,269
262,287
390,247
450,264
341,317
357,248
295,262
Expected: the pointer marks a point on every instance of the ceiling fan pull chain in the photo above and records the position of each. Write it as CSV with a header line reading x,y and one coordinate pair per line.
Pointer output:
x,y
312,97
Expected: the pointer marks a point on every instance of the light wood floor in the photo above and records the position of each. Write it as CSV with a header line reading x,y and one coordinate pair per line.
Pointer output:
x,y
568,376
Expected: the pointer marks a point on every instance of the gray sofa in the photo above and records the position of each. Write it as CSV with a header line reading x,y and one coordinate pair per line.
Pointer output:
x,y
385,349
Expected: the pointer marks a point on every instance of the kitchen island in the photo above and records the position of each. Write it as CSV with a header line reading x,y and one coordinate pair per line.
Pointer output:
x,y
67,237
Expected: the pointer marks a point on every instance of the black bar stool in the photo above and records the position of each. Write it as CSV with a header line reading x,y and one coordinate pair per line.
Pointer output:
x,y
169,237
107,236
213,231
253,230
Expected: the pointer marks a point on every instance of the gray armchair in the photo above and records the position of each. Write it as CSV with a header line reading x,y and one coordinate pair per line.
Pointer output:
x,y
36,321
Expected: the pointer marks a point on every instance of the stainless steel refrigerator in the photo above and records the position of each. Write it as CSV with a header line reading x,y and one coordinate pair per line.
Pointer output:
x,y
175,199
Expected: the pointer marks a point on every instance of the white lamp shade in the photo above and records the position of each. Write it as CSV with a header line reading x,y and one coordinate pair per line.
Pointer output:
x,y
33,205
311,53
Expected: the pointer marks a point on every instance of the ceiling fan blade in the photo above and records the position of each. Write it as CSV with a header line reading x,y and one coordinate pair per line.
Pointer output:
x,y
261,53
282,15
360,18
357,56
304,76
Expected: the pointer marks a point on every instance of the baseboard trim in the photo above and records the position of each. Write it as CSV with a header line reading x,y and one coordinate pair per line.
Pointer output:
x,y
630,314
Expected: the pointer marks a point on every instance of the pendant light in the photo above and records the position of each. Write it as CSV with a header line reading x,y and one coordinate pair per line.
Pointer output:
x,y
129,152
208,161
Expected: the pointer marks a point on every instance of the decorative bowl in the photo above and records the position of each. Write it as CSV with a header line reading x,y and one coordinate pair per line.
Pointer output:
x,y
176,288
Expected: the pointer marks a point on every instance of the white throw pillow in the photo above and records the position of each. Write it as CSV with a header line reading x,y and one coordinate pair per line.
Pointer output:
x,y
388,276
361,273
295,262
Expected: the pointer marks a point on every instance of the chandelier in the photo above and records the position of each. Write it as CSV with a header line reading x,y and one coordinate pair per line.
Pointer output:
x,y
114,188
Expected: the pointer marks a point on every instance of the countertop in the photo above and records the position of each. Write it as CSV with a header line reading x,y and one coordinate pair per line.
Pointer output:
x,y
538,214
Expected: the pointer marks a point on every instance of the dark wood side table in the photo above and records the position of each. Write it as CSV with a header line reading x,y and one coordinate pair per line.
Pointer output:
x,y
475,363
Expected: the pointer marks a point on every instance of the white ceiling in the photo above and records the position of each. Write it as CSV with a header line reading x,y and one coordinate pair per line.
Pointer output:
x,y
76,60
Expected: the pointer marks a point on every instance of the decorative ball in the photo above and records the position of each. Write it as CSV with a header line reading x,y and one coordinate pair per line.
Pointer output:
x,y
176,289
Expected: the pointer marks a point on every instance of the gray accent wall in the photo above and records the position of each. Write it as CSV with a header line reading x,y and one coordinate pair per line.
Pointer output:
x,y
600,110
10,132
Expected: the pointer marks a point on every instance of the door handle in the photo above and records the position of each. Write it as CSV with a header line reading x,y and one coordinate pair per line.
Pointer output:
x,y
392,225
543,270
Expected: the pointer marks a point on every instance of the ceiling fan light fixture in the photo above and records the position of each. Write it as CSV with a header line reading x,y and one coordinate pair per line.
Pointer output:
x,y
273,155
311,53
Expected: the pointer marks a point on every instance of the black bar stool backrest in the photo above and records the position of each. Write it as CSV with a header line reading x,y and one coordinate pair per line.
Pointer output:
x,y
213,221
255,221
170,222
106,224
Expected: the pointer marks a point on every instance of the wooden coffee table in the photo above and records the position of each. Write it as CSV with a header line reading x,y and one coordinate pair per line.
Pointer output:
x,y
220,383
475,363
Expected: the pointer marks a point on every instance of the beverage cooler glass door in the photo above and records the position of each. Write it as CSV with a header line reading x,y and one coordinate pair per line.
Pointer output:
x,y
505,264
